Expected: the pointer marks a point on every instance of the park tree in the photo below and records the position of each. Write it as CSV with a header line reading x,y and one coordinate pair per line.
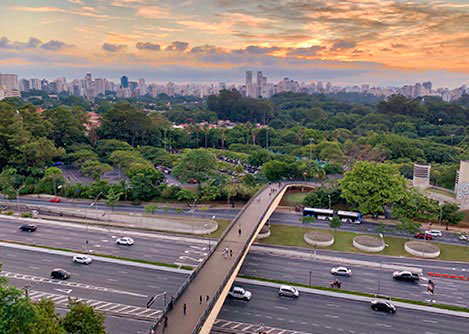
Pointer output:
x,y
409,226
111,198
415,205
94,169
68,125
105,147
39,152
83,319
370,186
275,170
450,214
9,182
186,195
144,183
335,223
195,165
51,181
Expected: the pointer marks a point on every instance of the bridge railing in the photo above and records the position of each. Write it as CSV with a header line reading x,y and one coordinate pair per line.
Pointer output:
x,y
192,276
220,288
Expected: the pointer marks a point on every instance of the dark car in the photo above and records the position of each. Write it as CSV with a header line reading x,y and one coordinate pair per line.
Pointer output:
x,y
28,227
425,236
382,306
60,274
405,276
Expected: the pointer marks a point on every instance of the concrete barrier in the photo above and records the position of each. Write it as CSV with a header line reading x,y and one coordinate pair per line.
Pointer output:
x,y
368,244
422,249
318,243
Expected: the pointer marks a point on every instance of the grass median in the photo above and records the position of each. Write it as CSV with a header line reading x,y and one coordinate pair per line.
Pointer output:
x,y
293,236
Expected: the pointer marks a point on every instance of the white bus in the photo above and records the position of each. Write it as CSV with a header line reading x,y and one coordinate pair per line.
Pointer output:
x,y
320,214
350,217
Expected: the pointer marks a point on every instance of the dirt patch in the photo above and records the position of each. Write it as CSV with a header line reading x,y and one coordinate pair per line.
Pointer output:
x,y
369,241
422,247
319,236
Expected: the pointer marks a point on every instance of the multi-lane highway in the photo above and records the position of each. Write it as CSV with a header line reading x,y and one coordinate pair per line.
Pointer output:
x,y
122,290
191,251
290,218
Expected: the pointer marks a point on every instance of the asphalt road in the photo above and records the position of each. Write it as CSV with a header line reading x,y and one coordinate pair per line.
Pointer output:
x,y
129,285
292,218
185,252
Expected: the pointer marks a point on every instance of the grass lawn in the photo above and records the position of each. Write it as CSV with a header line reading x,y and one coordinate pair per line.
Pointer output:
x,y
293,236
295,198
222,225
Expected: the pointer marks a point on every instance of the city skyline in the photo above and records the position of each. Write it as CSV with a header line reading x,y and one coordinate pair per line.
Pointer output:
x,y
380,42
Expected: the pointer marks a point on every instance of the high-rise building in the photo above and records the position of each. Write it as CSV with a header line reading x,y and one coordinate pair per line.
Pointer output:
x,y
35,84
248,77
99,87
170,89
124,82
142,87
10,85
25,85
133,85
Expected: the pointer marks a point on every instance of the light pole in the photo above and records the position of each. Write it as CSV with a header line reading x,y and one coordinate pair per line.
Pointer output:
x,y
87,223
329,196
18,197
381,264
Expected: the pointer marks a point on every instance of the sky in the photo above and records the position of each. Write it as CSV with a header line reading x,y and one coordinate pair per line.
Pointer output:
x,y
381,42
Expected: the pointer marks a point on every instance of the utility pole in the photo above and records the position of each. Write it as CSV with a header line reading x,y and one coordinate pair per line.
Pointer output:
x,y
310,150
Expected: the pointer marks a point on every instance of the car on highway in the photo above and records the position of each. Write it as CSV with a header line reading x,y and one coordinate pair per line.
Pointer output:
x,y
83,259
288,291
60,274
125,241
55,200
422,235
341,271
28,227
434,233
464,237
238,292
405,275
383,306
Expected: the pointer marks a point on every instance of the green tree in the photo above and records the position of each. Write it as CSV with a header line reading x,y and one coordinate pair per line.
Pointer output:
x,y
409,226
195,165
371,185
68,125
52,180
275,170
112,198
335,223
94,169
83,319
186,195
151,208
9,183
415,205
39,152
450,214
144,183
47,320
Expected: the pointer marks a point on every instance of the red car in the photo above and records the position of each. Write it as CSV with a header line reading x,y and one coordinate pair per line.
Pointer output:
x,y
55,200
423,236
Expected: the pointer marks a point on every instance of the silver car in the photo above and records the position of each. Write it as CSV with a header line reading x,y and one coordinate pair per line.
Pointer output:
x,y
238,292
341,271
288,291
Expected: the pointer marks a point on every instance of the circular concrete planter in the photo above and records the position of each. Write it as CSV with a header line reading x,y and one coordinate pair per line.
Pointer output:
x,y
369,244
319,239
422,249
264,233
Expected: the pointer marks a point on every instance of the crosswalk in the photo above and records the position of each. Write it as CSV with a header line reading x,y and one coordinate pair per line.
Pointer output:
x,y
106,307
225,326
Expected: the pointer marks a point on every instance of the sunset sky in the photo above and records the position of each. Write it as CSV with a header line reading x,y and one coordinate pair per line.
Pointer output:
x,y
345,41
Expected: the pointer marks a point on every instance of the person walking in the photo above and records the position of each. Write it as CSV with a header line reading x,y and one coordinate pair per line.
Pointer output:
x,y
165,324
239,231
200,299
231,252
185,309
207,299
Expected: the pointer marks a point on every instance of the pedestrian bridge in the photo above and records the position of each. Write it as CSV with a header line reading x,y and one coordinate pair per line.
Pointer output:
x,y
197,303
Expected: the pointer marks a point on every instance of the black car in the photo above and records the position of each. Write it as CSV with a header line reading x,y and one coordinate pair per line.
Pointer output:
x,y
60,274
28,227
382,306
405,276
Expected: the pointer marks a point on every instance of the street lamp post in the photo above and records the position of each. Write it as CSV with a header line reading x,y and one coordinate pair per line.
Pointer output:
x,y
381,264
87,223
329,196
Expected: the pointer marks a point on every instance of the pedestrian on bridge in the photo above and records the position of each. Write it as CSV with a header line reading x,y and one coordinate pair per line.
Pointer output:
x,y
239,231
231,252
200,300
185,309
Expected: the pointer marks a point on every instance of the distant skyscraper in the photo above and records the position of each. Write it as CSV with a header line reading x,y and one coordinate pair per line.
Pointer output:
x,y
170,89
142,87
133,85
99,87
248,78
124,82
427,85
9,85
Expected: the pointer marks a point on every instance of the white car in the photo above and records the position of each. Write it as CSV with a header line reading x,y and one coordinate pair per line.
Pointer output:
x,y
288,291
238,292
341,271
464,237
83,259
125,241
434,233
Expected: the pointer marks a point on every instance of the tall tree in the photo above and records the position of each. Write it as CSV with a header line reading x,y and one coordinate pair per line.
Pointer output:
x,y
450,214
83,319
195,165
370,186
